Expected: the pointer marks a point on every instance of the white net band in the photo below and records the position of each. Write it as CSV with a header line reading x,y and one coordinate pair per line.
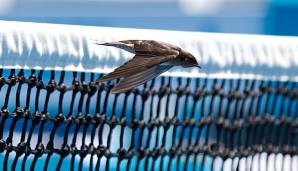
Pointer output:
x,y
65,47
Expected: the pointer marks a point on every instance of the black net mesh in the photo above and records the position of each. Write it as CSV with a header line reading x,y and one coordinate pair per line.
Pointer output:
x,y
64,120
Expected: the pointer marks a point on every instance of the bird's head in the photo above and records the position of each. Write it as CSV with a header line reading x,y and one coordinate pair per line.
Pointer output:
x,y
188,60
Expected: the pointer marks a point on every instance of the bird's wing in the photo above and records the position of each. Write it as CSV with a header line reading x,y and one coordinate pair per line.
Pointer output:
x,y
140,78
144,47
152,47
135,65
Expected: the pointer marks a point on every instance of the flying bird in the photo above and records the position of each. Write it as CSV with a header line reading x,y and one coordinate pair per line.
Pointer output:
x,y
151,59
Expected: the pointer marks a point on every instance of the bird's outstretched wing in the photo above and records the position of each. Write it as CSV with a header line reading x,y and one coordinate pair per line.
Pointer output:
x,y
140,78
152,47
137,64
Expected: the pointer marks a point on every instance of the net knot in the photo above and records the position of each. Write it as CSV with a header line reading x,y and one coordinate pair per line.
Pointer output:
x,y
281,90
293,94
264,88
12,80
65,150
197,94
19,113
60,118
122,121
213,148
215,89
62,88
32,80
162,91
243,151
88,119
39,84
4,113
179,91
113,121
51,86
172,152
174,121
2,81
73,149
135,123
167,122
39,150
101,150
79,119
76,85
21,79
36,118
83,151
136,91
286,149
91,149
145,94
141,153
103,118
50,147
162,151
152,123
286,120
93,88
122,153
23,148
27,114
9,147
237,123
155,153
220,121
2,145
96,119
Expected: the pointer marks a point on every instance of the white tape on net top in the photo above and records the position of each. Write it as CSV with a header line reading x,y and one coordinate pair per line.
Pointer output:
x,y
68,47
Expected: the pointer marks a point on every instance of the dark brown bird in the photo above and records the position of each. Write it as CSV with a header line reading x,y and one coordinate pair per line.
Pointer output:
x,y
151,59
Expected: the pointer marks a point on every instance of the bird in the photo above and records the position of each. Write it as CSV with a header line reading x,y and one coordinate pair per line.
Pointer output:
x,y
151,59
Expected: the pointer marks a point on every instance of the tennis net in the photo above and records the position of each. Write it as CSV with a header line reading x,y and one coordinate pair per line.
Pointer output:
x,y
238,112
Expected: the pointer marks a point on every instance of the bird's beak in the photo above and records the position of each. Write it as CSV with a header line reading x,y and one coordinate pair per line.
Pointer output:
x,y
199,66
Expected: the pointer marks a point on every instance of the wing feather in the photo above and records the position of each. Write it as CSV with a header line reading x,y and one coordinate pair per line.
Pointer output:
x,y
155,48
139,78
136,65
121,45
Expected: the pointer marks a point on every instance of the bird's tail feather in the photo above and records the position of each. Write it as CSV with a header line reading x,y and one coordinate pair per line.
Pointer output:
x,y
127,47
93,41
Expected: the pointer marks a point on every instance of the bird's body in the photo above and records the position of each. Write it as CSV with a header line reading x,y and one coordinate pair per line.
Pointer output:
x,y
151,59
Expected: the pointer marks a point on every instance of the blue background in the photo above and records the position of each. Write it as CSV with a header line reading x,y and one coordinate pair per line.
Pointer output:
x,y
272,17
